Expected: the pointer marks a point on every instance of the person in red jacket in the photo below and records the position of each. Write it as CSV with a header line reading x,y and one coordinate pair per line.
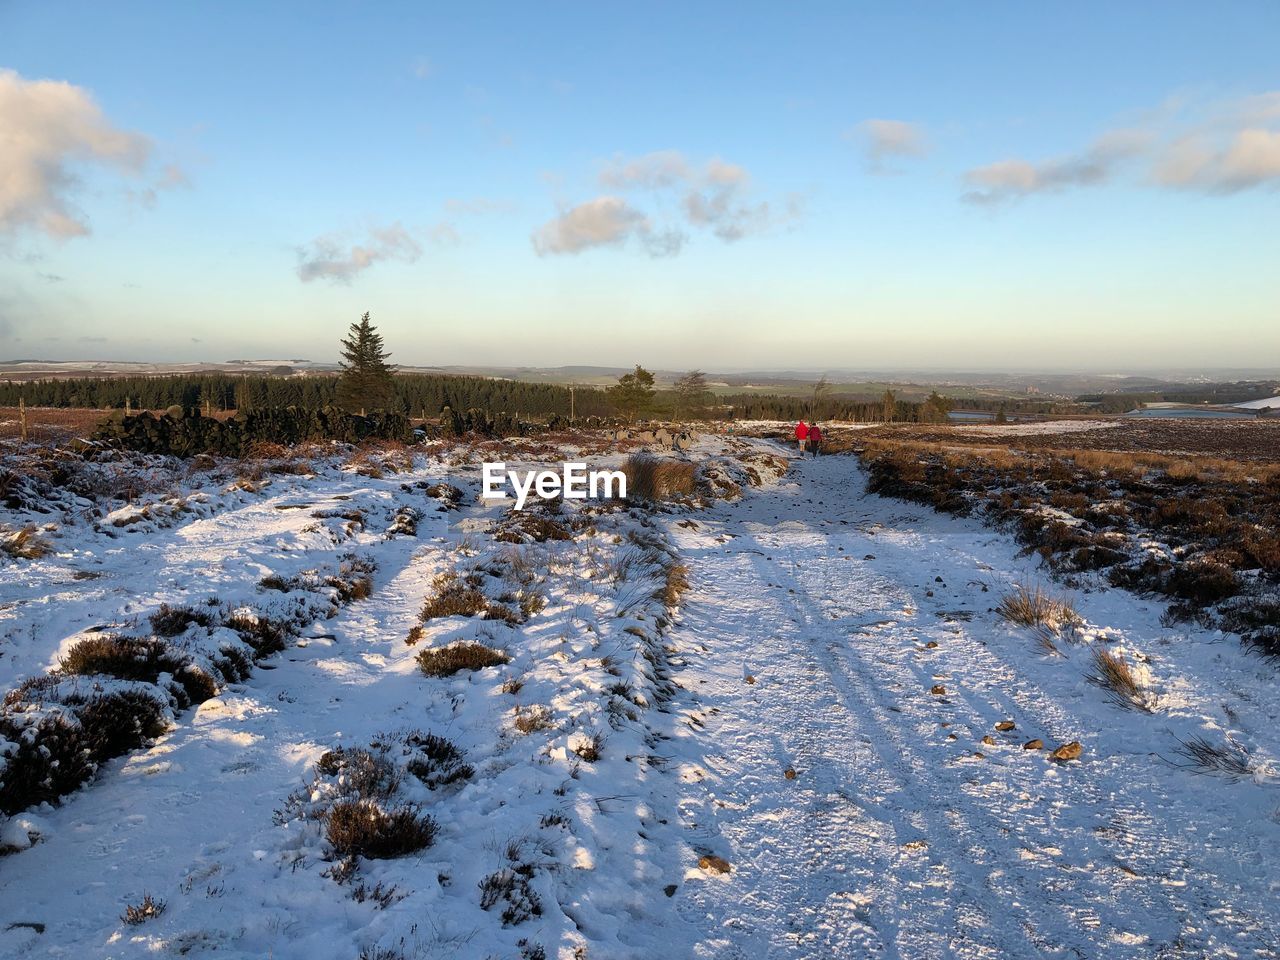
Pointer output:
x,y
815,439
802,434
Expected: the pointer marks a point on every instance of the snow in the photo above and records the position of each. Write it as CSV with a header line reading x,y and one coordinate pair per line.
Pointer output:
x,y
1046,428
1272,402
803,645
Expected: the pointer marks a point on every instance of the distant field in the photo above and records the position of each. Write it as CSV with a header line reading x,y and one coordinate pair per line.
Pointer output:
x,y
871,389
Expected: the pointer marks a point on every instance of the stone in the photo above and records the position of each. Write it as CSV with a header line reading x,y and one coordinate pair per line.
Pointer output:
x,y
714,864
1068,751
789,773
1005,725
939,690
1036,744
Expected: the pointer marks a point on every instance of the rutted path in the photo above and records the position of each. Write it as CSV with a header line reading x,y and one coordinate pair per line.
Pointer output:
x,y
902,833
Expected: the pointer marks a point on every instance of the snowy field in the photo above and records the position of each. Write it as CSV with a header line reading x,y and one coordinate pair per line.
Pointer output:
x,y
816,750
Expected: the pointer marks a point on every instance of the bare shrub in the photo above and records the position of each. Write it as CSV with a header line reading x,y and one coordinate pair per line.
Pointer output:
x,y
511,886
354,579
114,723
1029,606
362,828
1228,759
49,759
527,526
360,774
148,909
436,761
136,658
265,635
446,661
171,621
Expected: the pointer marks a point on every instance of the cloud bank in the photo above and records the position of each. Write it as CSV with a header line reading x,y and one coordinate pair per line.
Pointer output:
x,y
1228,148
49,130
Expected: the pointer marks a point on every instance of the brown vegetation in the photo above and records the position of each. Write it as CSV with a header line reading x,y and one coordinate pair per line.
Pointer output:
x,y
446,661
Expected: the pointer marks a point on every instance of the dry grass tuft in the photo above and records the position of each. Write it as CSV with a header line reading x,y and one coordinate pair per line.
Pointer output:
x,y
446,661
654,478
25,544
674,584
531,719
1029,606
1111,672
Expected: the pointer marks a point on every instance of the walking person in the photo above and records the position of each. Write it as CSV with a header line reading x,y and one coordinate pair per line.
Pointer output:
x,y
815,439
802,435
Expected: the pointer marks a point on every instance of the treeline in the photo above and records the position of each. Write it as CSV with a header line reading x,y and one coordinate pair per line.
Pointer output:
x,y
414,394
424,396
1216,393
758,406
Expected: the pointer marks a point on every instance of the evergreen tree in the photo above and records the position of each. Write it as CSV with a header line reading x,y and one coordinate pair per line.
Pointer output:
x,y
365,383
634,393
935,409
890,403
691,395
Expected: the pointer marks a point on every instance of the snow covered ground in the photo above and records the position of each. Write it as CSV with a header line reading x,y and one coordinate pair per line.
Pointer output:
x,y
766,771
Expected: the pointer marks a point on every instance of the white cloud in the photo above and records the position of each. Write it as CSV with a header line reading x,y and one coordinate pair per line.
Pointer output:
x,y
657,170
603,222
884,139
49,130
1225,148
1250,158
1012,179
710,196
327,258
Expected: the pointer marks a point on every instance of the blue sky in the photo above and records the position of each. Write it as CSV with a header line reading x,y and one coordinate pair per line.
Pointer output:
x,y
971,186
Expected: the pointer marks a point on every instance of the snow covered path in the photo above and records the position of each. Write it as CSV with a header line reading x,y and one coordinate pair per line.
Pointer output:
x,y
902,833
912,827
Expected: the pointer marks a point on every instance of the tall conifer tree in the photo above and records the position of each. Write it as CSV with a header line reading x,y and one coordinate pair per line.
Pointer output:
x,y
365,383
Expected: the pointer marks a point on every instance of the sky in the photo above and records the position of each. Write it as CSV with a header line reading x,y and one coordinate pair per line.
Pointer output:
x,y
1002,185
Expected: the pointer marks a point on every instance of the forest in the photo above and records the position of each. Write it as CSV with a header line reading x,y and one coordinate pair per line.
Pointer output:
x,y
423,396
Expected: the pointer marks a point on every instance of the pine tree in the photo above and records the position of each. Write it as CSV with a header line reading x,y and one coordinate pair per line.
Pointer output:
x,y
634,392
935,409
365,383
